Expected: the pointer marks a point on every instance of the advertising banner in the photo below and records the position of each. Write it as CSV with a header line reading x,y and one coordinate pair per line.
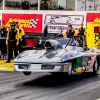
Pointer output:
x,y
93,17
29,22
54,21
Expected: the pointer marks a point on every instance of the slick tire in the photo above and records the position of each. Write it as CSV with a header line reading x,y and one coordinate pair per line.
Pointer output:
x,y
96,69
26,73
70,69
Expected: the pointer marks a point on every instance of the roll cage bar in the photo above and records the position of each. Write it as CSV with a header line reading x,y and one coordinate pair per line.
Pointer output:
x,y
84,44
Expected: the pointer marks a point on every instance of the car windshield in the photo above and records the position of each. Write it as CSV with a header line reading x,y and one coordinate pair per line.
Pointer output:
x,y
63,42
75,43
75,40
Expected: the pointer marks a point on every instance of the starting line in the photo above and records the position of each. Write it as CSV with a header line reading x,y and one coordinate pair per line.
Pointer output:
x,y
6,66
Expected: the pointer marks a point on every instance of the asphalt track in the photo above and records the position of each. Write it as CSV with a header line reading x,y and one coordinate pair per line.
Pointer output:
x,y
43,86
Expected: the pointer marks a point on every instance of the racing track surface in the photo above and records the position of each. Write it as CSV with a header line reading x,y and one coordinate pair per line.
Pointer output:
x,y
40,86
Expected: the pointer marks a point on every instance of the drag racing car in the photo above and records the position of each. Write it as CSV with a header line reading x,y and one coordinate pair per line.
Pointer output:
x,y
75,57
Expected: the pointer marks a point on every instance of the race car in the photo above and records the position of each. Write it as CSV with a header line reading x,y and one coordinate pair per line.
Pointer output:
x,y
75,57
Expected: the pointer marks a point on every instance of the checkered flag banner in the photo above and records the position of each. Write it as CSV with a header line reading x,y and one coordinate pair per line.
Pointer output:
x,y
33,23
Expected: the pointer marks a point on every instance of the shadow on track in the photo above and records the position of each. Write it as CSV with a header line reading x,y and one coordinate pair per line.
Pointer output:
x,y
58,80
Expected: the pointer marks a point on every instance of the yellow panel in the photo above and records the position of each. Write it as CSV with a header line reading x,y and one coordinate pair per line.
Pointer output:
x,y
90,36
6,66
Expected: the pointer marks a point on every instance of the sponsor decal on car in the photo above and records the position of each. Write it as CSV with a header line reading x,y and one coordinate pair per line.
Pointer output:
x,y
87,68
90,63
67,56
79,69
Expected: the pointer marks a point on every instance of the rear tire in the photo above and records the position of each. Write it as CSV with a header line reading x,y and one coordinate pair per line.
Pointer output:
x,y
96,69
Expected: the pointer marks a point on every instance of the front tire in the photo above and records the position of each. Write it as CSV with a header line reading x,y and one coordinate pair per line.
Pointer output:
x,y
70,69
26,73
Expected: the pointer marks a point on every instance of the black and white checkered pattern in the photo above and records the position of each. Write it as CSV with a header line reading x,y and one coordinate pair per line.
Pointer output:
x,y
33,23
